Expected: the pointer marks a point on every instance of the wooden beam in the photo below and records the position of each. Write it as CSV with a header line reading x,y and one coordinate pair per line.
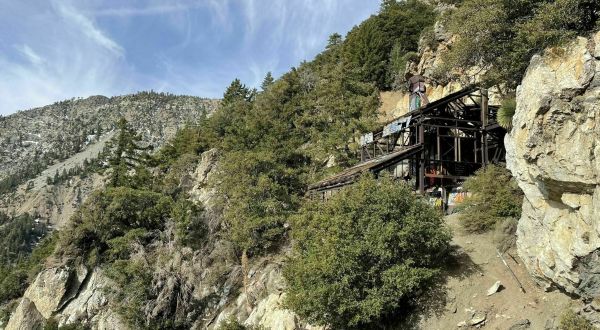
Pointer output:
x,y
421,179
484,123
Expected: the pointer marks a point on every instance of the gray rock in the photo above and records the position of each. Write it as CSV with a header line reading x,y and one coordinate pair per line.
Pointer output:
x,y
521,325
26,317
494,288
478,318
553,151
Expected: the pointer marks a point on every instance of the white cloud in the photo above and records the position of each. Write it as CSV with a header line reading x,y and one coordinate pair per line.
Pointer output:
x,y
87,27
58,49
56,58
30,55
159,9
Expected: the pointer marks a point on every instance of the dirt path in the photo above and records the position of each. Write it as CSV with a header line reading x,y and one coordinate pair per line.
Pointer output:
x,y
478,267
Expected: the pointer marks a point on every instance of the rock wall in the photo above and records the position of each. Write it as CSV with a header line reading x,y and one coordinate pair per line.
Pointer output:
x,y
554,152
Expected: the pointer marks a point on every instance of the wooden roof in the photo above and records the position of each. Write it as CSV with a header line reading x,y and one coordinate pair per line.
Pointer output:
x,y
349,175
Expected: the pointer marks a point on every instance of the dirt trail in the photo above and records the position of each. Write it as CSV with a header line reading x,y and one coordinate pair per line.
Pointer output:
x,y
477,268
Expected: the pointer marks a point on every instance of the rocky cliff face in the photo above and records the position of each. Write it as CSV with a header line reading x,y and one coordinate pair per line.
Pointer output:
x,y
554,152
207,282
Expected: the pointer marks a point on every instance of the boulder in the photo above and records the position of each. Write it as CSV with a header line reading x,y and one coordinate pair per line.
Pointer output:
x,y
48,289
90,306
553,151
26,317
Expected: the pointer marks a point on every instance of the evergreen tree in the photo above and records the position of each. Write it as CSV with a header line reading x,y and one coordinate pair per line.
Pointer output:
x,y
368,46
268,81
236,92
334,40
126,153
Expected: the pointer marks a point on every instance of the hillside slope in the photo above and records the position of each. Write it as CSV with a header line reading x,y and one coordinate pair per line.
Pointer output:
x,y
44,142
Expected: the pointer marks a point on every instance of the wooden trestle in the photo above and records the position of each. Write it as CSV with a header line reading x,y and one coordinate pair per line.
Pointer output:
x,y
438,145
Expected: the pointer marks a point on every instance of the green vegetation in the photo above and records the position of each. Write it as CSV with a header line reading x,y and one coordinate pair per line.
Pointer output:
x,y
134,289
571,321
378,48
363,255
233,324
19,235
495,195
359,258
133,214
500,36
274,142
506,113
110,214
15,277
126,155
52,324
23,251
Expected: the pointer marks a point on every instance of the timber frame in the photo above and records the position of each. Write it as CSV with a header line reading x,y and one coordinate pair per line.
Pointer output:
x,y
439,145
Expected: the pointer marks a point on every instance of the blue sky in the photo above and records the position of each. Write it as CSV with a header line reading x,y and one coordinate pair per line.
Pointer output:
x,y
52,50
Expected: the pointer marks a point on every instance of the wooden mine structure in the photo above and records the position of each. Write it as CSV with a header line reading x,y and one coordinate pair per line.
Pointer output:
x,y
438,145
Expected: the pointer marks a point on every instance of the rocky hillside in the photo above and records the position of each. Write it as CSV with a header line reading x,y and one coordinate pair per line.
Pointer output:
x,y
43,136
204,235
553,151
59,139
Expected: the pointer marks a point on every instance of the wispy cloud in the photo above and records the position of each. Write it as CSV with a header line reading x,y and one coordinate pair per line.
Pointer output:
x,y
58,49
30,55
87,27
159,9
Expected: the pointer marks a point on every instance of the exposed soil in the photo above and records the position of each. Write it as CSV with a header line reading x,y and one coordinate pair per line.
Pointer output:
x,y
462,295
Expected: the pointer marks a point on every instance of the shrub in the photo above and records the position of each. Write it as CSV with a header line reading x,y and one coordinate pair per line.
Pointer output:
x,y
501,36
14,278
190,225
133,281
52,324
112,213
506,113
571,321
494,196
363,254
233,324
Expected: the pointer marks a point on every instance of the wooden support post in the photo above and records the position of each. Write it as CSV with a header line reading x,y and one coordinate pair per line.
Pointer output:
x,y
459,149
439,151
484,124
422,160
475,147
455,145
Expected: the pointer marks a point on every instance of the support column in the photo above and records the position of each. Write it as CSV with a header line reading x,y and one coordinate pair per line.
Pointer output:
x,y
484,124
438,151
422,160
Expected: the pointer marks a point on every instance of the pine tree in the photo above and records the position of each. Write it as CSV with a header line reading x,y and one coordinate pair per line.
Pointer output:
x,y
334,40
126,153
268,81
236,92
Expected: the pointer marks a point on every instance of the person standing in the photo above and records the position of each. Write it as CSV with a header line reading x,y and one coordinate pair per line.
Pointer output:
x,y
417,89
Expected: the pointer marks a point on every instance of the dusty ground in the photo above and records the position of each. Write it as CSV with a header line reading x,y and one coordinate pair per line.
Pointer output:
x,y
476,269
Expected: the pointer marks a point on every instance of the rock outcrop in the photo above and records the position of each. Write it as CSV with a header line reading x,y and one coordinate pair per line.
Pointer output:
x,y
69,296
26,317
554,152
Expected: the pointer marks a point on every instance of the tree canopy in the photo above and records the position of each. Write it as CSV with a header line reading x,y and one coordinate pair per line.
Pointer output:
x,y
501,36
363,254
